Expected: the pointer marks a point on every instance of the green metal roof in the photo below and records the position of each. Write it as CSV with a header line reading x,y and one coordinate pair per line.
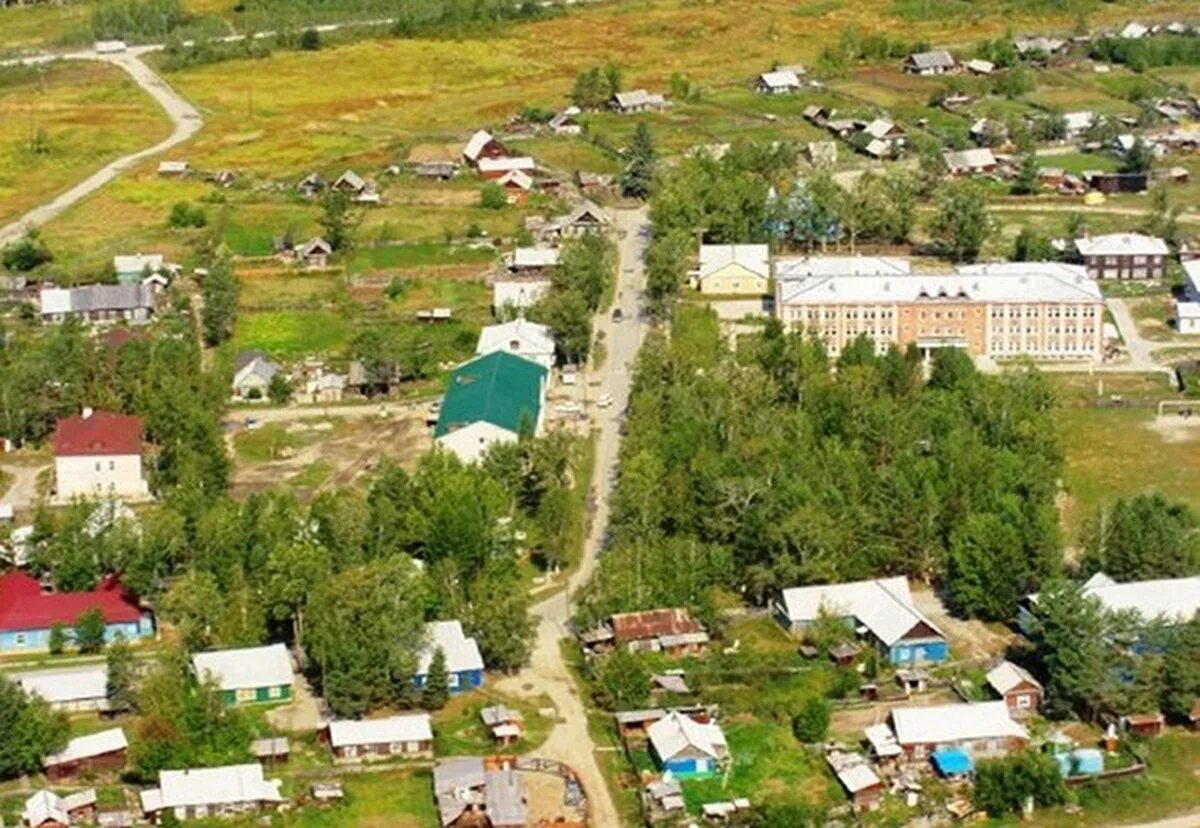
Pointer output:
x,y
497,388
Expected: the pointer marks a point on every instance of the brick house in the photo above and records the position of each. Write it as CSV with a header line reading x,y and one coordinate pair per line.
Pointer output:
x,y
1123,256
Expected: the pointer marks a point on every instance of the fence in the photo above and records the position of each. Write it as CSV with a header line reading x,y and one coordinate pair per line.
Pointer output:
x,y
1106,776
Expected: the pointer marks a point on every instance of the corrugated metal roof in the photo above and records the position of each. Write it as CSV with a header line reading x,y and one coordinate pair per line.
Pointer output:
x,y
499,388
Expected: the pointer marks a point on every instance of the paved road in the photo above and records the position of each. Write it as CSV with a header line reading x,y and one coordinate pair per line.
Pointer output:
x,y
183,115
570,741
1141,350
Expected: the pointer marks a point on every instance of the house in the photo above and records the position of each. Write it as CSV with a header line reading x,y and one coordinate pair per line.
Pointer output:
x,y
1144,724
409,736
314,253
521,337
472,793
1029,46
350,183
101,304
566,122
131,270
495,169
1134,31
69,689
585,218
1020,691
46,809
510,296
779,82
271,749
1044,310
1077,123
532,259
99,453
816,114
671,631
979,729
822,153
1124,143
687,747
312,185
177,169
230,790
249,674
464,664
1111,183
482,145
252,375
883,745
1123,256
980,67
324,387
28,613
884,606
438,170
1187,308
503,722
490,400
638,100
516,181
930,63
102,752
734,269
861,783
970,162
986,131
1171,600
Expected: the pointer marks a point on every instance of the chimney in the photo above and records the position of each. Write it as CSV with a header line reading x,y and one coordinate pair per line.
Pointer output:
x,y
87,411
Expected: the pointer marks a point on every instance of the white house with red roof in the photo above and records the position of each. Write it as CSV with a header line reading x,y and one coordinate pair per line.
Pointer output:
x,y
28,612
99,453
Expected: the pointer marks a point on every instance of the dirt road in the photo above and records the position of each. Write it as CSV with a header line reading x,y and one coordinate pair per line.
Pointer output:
x,y
569,741
183,115
22,494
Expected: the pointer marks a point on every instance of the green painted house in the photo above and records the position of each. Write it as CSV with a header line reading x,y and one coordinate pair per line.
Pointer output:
x,y
490,400
251,675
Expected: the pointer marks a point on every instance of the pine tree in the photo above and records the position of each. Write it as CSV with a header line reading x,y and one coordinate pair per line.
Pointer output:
x,y
638,176
436,689
119,685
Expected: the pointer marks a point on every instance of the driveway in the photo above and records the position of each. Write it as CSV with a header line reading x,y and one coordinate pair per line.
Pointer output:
x,y
570,741
183,115
1141,350
22,494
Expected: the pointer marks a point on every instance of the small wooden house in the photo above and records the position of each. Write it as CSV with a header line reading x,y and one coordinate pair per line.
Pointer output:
x,y
98,752
408,736
1020,691
1144,724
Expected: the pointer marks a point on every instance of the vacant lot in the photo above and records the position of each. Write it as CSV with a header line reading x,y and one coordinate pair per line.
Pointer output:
x,y
60,123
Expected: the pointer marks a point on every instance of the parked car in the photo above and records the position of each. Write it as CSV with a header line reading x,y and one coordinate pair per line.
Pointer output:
x,y
605,401
617,315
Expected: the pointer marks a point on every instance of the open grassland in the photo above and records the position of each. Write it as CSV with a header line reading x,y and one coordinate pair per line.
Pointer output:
x,y
60,123
43,25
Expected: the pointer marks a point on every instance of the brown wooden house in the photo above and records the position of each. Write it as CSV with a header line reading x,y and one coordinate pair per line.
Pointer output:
x,y
407,736
103,752
1020,691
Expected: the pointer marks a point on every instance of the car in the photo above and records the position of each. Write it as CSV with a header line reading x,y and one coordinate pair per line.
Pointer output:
x,y
252,424
569,408
617,315
604,401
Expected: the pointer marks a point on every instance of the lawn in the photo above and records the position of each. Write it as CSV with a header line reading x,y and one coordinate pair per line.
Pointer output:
x,y
392,799
291,334
60,123
1114,452
459,731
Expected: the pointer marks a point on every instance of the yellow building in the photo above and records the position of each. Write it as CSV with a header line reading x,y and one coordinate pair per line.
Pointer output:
x,y
734,269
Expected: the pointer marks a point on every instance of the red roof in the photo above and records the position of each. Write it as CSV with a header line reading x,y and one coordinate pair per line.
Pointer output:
x,y
23,605
639,626
100,432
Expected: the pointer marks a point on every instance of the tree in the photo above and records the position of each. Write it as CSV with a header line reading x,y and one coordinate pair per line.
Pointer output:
x,y
184,215
58,638
1181,670
90,628
1069,639
1031,246
811,724
621,681
310,40
492,196
641,158
279,390
293,572
336,220
961,223
220,294
1004,785
27,253
122,674
436,689
1139,158
1142,538
29,730
194,604
1026,181
570,322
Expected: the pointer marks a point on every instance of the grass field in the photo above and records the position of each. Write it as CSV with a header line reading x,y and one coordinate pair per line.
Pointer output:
x,y
86,114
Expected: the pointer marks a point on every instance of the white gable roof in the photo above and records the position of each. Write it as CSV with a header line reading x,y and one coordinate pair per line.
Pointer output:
x,y
675,732
251,667
518,178
55,300
1170,598
414,727
1121,244
216,786
523,293
780,79
969,159
754,257
884,605
951,723
521,337
1006,675
1035,283
798,268
43,807
524,257
879,128
138,263
69,684
1079,121
85,747
476,143
505,164
462,653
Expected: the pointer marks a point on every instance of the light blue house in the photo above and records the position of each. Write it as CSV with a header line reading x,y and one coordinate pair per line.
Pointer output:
x,y
882,606
463,660
28,613
686,747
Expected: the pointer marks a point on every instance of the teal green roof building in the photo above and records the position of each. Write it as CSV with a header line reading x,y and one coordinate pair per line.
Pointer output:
x,y
498,388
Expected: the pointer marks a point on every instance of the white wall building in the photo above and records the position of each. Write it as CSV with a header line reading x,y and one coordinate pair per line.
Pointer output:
x,y
521,337
99,453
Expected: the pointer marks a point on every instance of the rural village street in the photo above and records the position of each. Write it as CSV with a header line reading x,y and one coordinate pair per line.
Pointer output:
x,y
546,673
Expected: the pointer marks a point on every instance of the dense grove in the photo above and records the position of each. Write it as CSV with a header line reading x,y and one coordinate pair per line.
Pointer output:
x,y
766,469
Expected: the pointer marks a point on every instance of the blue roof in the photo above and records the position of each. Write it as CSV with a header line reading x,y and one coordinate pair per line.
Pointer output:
x,y
952,761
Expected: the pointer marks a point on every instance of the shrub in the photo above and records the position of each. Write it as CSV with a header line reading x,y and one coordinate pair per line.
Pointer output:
x,y
811,724
493,197
26,254
310,40
185,215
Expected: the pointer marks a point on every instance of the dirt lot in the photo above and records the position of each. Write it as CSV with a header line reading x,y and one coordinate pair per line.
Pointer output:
x,y
968,638
849,723
333,452
545,794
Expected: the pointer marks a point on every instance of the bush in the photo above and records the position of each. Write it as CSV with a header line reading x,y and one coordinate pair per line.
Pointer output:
x,y
493,197
811,724
26,254
185,215
1003,785
310,40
